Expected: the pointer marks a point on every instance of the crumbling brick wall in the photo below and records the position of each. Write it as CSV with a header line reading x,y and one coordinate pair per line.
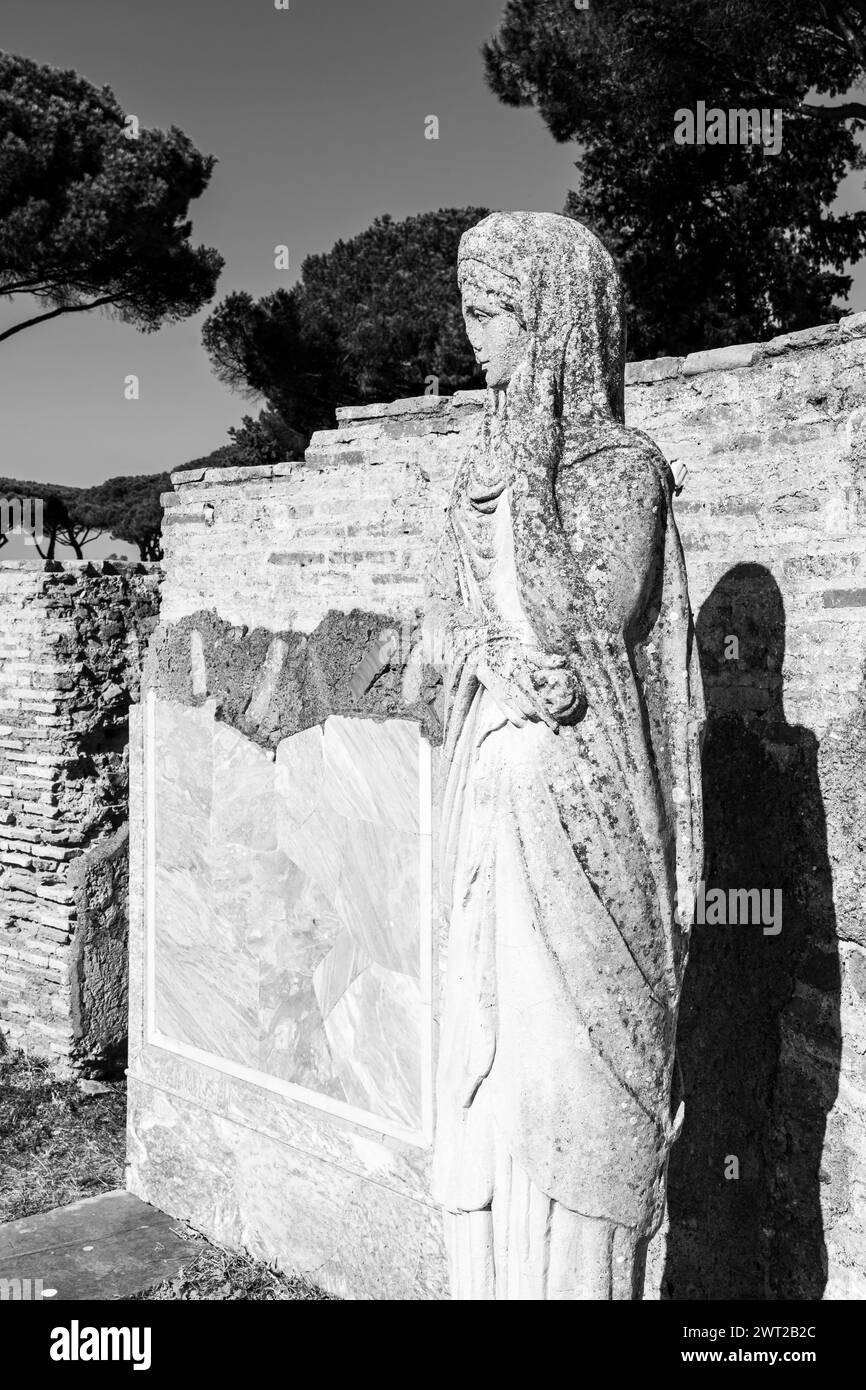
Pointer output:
x,y
71,639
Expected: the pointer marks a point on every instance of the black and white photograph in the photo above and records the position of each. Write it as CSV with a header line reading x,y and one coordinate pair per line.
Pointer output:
x,y
432,671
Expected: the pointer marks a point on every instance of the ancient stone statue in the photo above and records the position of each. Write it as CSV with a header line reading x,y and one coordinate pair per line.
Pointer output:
x,y
572,814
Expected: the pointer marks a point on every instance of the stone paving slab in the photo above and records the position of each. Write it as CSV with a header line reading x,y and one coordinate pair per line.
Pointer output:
x,y
105,1247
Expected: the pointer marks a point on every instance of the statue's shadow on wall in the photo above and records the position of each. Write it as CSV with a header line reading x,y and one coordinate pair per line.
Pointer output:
x,y
759,1036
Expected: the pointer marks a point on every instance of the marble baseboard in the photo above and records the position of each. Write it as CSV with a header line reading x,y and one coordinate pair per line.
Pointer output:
x,y
354,1235
349,1145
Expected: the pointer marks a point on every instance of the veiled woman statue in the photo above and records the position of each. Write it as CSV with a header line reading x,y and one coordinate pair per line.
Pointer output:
x,y
571,814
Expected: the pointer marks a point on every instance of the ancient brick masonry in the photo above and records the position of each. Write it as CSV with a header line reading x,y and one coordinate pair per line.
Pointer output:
x,y
773,1027
353,525
71,637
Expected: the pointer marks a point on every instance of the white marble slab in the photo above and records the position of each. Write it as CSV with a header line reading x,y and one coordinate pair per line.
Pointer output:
x,y
289,933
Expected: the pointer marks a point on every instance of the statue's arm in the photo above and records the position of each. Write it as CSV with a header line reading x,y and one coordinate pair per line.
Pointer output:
x,y
616,539
587,549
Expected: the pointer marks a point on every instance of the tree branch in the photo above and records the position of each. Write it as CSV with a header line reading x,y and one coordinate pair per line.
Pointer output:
x,y
845,111
55,313
52,534
48,284
17,286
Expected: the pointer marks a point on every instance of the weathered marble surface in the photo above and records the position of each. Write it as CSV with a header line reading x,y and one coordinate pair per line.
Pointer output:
x,y
288,931
357,1235
350,1145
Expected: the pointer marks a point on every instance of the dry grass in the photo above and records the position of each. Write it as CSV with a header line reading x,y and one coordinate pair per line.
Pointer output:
x,y
215,1274
57,1144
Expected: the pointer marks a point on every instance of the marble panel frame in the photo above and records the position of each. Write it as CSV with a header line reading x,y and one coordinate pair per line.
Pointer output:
x,y
253,1076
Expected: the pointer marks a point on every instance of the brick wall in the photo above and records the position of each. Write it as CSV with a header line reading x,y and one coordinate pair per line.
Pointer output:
x,y
774,438
70,642
772,1034
352,526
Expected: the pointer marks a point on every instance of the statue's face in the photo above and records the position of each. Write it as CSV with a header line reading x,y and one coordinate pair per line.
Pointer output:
x,y
497,337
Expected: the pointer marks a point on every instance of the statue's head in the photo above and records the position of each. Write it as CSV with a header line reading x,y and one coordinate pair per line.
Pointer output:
x,y
494,321
541,294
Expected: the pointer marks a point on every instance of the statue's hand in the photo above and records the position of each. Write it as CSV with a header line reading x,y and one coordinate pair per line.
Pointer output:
x,y
528,684
559,686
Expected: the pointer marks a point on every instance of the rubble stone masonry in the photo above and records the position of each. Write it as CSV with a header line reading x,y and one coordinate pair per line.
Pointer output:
x,y
71,640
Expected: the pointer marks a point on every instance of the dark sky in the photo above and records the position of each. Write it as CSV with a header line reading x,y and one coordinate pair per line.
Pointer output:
x,y
316,115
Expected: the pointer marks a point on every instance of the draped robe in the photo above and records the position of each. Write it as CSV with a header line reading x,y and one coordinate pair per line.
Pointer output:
x,y
562,854
566,851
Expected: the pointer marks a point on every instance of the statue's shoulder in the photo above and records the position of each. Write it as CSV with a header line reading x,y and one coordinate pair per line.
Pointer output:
x,y
628,459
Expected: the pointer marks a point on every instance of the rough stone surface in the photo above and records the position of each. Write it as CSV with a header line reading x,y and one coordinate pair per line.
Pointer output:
x,y
720,359
71,638
328,534
98,963
271,685
656,369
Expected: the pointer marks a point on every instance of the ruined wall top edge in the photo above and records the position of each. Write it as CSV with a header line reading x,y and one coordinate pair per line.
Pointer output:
x,y
85,569
463,403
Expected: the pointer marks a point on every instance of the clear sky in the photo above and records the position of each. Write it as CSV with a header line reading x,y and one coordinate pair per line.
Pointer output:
x,y
316,115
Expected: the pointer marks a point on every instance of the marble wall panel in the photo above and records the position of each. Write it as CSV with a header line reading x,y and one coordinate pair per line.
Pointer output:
x,y
290,937
374,1032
